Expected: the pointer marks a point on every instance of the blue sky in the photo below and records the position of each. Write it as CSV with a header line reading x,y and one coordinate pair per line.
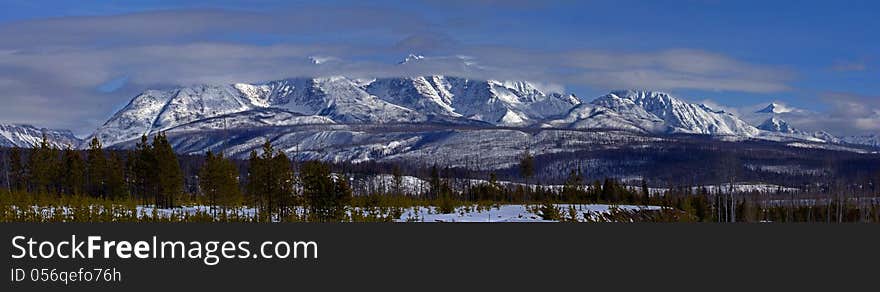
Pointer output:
x,y
821,56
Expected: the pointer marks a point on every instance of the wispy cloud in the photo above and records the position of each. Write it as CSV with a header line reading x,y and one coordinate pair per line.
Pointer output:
x,y
844,114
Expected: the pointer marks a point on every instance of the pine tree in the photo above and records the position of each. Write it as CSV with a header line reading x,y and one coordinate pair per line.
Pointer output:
x,y
646,193
396,180
270,182
596,191
141,165
318,189
494,189
256,177
17,170
96,166
115,177
169,179
73,172
218,181
435,183
341,198
7,185
283,175
549,211
572,188
43,167
527,165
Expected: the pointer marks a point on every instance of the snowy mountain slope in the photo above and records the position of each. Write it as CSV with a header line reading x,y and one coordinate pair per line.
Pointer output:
x,y
778,129
485,148
866,140
774,124
340,100
335,98
588,116
27,136
262,117
155,110
654,112
424,94
508,103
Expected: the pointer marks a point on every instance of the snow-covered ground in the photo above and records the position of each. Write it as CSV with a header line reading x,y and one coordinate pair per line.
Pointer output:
x,y
746,187
504,213
785,169
414,185
472,213
499,213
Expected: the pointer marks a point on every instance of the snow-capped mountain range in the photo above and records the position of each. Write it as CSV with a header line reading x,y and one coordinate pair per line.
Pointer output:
x,y
29,136
655,113
777,126
333,100
339,117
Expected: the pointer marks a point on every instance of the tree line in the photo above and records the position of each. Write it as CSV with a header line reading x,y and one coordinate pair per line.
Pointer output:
x,y
278,188
151,174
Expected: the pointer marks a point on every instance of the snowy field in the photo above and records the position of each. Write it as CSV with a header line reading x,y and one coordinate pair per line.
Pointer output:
x,y
472,213
505,213
500,213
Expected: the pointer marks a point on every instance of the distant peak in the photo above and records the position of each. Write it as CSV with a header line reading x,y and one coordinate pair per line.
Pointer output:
x,y
643,96
634,93
411,58
774,108
774,124
318,60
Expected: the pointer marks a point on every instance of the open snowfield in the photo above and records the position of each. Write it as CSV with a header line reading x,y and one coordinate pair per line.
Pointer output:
x,y
500,213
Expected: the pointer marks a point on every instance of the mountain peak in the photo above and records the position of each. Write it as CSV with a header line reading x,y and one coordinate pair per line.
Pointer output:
x,y
775,108
23,135
774,124
677,116
318,60
633,94
412,58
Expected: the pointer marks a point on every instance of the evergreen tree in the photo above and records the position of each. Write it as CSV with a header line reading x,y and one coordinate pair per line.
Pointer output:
x,y
142,168
96,167
319,190
646,193
270,181
256,177
218,180
493,188
283,178
114,178
434,182
527,165
341,198
17,170
396,180
572,188
209,179
73,172
169,180
549,211
43,167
